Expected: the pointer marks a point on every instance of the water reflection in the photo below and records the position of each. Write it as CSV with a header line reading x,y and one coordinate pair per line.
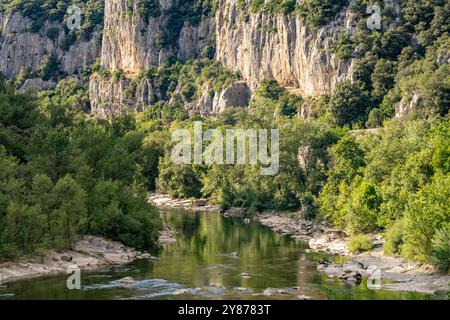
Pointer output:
x,y
200,266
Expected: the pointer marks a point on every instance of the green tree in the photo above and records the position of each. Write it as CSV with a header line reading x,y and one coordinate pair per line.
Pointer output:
x,y
69,216
349,104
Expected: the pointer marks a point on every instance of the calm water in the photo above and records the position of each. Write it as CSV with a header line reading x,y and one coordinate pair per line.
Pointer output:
x,y
199,262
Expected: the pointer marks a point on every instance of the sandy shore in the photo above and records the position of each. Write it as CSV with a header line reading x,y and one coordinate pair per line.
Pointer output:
x,y
401,274
89,253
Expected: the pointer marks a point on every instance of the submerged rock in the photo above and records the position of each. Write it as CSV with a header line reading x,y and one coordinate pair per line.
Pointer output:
x,y
352,277
181,292
127,281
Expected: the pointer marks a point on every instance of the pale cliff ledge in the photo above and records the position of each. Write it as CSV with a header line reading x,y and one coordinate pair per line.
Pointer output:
x,y
110,97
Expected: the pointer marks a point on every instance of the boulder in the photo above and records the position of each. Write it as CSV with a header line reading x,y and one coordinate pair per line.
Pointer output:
x,y
352,277
127,281
66,258
237,94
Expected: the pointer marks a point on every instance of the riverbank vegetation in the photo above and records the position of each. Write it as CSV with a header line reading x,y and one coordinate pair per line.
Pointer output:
x,y
373,157
64,174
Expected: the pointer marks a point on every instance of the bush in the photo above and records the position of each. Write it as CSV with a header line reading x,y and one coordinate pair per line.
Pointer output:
x,y
359,243
49,68
118,75
394,238
426,213
376,118
349,103
270,89
440,250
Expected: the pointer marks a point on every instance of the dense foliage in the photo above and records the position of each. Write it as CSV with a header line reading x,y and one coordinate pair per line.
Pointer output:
x,y
64,175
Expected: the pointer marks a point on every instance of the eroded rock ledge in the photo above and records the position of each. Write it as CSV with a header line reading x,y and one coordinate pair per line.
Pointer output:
x,y
90,253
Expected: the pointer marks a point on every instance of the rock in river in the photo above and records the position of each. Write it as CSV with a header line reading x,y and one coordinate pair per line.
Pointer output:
x,y
352,277
127,281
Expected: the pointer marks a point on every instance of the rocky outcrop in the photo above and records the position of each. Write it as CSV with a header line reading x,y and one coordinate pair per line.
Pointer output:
x,y
163,201
237,94
387,273
408,104
90,252
132,43
258,46
36,84
282,47
110,97
210,102
21,48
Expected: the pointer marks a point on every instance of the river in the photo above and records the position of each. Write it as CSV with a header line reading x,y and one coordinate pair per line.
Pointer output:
x,y
199,266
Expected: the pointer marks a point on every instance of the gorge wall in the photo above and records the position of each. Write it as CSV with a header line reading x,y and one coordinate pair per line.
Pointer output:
x,y
258,46
20,48
282,47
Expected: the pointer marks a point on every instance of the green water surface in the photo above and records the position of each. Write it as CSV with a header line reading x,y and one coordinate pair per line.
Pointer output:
x,y
200,263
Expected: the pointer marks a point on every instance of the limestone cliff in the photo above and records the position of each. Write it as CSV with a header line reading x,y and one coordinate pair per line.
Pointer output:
x,y
131,42
282,47
110,97
258,46
21,48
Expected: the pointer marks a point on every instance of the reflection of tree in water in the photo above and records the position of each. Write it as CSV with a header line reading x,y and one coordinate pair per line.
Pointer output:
x,y
206,234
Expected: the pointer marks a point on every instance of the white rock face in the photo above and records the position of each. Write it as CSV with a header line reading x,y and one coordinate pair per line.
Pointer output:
x,y
21,48
257,46
36,84
114,97
282,47
408,104
131,44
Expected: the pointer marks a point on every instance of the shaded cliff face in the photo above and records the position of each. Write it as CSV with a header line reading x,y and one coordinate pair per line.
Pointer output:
x,y
20,48
282,47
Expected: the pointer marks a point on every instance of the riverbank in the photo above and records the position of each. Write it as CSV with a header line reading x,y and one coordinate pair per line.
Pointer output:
x,y
89,253
397,274
163,201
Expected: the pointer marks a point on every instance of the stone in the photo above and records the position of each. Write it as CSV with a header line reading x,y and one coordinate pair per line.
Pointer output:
x,y
181,292
127,281
269,292
21,48
66,258
408,104
353,277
